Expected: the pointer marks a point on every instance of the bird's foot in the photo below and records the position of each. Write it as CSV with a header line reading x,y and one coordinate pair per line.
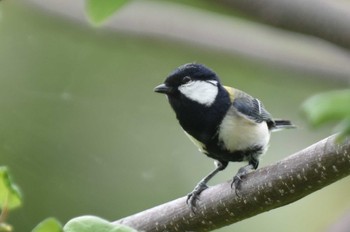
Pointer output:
x,y
236,183
193,196
237,179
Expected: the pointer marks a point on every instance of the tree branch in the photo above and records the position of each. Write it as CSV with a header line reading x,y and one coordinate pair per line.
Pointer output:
x,y
324,19
267,188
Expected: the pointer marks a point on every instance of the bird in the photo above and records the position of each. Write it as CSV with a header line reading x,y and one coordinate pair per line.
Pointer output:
x,y
225,123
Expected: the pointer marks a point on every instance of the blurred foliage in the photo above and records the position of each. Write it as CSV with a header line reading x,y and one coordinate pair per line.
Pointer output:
x,y
5,227
10,196
48,225
328,107
99,10
93,224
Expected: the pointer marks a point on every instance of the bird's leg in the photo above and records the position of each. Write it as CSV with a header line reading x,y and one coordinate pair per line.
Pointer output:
x,y
193,196
237,179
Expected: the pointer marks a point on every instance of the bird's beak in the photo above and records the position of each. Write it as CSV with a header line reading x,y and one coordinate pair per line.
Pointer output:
x,y
163,88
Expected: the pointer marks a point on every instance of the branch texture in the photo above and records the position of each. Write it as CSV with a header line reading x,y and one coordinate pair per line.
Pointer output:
x,y
324,19
267,188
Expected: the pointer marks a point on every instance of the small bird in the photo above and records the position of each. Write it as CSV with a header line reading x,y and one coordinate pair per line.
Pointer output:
x,y
225,123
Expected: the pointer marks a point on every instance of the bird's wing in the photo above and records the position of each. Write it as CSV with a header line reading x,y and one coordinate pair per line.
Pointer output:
x,y
249,106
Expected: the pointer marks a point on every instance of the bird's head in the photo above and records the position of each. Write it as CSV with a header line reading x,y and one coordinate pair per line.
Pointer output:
x,y
193,82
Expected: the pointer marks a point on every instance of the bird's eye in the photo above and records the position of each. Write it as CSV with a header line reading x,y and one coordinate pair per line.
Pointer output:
x,y
186,79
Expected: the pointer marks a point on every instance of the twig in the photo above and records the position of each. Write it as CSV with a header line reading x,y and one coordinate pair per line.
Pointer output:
x,y
267,188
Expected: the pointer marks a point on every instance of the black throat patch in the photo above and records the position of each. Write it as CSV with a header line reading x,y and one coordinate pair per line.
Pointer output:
x,y
198,120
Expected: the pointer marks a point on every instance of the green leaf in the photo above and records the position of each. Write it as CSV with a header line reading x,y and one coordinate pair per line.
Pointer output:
x,y
99,10
326,107
94,224
344,128
10,196
48,225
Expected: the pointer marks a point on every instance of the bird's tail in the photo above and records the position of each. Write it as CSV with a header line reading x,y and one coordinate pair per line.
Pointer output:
x,y
281,124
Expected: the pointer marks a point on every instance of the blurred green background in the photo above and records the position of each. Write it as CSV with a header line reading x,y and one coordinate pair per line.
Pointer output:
x,y
83,133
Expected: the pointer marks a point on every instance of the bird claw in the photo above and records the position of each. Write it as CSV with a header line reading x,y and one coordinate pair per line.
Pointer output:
x,y
236,183
193,196
237,179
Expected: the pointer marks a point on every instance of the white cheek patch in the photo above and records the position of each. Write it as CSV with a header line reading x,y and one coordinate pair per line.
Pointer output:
x,y
202,92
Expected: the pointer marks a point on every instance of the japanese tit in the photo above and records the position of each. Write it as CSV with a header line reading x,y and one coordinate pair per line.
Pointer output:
x,y
225,123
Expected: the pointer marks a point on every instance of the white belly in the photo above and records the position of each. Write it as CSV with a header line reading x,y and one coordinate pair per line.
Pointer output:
x,y
239,133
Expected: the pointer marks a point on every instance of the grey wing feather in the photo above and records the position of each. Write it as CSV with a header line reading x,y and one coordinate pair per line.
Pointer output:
x,y
252,108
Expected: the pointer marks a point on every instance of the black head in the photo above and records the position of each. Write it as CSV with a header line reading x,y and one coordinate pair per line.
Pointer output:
x,y
198,99
185,74
193,81
194,71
